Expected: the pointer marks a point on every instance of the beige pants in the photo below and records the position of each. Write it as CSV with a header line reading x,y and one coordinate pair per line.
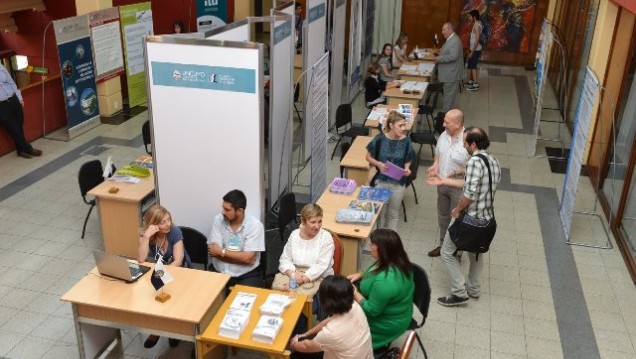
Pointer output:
x,y
281,282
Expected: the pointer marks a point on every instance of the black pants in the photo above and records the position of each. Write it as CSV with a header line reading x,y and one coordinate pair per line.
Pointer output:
x,y
12,119
253,278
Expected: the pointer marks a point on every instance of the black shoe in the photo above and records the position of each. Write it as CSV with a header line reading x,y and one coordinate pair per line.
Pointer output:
x,y
452,301
151,341
24,155
173,342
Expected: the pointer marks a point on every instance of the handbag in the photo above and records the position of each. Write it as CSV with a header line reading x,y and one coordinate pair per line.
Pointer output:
x,y
473,234
281,283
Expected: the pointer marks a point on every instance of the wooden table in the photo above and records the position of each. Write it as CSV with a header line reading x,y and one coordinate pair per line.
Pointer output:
x,y
425,54
211,340
353,236
414,75
355,162
395,96
121,213
374,123
102,306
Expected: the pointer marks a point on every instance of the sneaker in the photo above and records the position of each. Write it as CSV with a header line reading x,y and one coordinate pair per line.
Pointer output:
x,y
452,301
470,295
473,87
469,83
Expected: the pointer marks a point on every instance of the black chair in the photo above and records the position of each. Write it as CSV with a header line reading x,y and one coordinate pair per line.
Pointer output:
x,y
421,299
286,214
89,176
196,245
343,118
145,134
428,108
344,148
424,138
410,181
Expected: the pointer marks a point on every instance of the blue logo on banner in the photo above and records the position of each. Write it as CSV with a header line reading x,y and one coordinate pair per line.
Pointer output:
x,y
316,12
282,32
204,77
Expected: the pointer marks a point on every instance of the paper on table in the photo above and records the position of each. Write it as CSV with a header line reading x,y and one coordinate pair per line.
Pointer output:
x,y
408,67
394,171
376,113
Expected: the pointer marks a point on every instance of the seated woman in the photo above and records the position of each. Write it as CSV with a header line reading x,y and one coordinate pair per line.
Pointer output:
x,y
345,331
373,88
386,289
308,254
162,240
385,64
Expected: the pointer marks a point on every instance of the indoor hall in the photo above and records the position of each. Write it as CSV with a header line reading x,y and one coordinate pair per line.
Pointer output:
x,y
541,297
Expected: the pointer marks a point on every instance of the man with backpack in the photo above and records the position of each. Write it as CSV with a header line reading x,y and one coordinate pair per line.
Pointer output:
x,y
477,39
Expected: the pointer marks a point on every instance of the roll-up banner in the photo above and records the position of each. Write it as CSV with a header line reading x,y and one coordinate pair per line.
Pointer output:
x,y
77,73
545,45
320,109
280,102
136,22
206,113
106,38
211,14
355,47
337,57
314,48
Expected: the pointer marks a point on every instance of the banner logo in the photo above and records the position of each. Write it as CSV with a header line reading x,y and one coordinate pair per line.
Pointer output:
x,y
204,77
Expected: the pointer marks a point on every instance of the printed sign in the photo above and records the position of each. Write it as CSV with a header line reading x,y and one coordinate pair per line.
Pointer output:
x,y
136,21
106,38
204,77
211,14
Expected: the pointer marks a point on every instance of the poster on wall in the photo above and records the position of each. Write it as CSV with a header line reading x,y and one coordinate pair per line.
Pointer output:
x,y
211,14
77,73
320,95
136,22
106,37
355,47
509,23
545,45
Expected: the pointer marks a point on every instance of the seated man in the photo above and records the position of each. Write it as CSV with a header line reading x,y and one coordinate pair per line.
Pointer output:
x,y
235,243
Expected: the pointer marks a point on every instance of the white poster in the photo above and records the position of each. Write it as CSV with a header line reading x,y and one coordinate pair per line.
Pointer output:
x,y
337,58
355,48
107,46
205,106
315,49
577,149
318,121
134,35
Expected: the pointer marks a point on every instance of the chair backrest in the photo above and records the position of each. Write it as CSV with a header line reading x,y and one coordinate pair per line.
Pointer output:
x,y
415,165
405,352
89,176
344,115
145,134
286,212
422,295
344,148
338,252
196,245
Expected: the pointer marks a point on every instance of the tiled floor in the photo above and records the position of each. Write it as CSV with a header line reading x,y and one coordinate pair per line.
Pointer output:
x,y
542,298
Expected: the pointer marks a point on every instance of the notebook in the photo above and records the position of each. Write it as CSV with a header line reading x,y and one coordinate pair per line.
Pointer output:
x,y
119,267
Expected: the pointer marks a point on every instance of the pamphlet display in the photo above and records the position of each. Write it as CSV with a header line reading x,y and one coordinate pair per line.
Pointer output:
x,y
267,329
379,194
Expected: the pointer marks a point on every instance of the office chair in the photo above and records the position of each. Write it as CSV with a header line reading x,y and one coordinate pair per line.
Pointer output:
x,y
344,148
410,181
421,299
145,134
89,176
344,118
428,108
196,245
286,214
424,138
338,252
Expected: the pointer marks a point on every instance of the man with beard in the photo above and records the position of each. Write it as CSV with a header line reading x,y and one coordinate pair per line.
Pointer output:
x,y
236,240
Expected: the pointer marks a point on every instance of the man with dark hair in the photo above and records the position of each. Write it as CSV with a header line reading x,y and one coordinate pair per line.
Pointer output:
x,y
236,240
299,25
477,201
474,50
450,66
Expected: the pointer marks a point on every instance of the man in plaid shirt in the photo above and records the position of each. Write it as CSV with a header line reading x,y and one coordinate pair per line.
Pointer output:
x,y
478,203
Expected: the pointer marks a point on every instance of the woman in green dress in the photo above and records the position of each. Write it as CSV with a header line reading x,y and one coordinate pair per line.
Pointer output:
x,y
386,289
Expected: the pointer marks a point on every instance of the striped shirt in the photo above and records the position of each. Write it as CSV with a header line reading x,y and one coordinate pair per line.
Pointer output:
x,y
476,185
7,85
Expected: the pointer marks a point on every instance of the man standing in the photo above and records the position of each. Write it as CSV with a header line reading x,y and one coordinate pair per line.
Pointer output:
x,y
474,50
11,115
449,162
236,240
478,203
450,66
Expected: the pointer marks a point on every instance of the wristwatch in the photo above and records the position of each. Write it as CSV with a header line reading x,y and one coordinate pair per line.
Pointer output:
x,y
223,253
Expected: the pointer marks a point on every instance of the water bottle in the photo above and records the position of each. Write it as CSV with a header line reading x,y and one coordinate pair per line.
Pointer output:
x,y
292,281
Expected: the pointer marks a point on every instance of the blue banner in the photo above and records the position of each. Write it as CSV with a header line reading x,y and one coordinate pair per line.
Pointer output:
x,y
211,14
282,32
78,79
316,12
204,77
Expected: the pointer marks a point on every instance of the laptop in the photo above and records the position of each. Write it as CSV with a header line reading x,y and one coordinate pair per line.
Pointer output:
x,y
119,267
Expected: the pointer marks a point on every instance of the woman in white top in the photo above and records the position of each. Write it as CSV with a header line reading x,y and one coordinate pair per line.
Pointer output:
x,y
345,333
308,254
399,50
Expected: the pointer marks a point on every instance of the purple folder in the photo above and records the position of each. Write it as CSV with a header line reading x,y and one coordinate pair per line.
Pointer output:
x,y
393,171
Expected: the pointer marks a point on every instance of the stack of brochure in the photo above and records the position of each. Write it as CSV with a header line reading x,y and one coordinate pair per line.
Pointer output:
x,y
275,304
368,193
237,316
267,329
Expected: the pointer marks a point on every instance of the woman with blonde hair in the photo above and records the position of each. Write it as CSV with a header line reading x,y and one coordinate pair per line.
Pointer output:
x,y
394,146
399,51
162,240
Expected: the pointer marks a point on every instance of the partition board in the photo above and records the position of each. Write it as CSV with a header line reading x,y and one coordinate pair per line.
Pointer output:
x,y
238,32
318,121
314,46
355,48
337,58
205,108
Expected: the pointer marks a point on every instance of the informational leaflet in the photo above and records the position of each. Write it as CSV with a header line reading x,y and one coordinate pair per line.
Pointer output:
x,y
577,149
320,112
107,46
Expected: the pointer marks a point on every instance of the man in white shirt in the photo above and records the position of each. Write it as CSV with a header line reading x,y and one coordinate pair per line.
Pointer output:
x,y
236,240
449,162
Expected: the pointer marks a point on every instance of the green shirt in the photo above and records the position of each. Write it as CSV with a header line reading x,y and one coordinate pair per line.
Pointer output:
x,y
388,304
